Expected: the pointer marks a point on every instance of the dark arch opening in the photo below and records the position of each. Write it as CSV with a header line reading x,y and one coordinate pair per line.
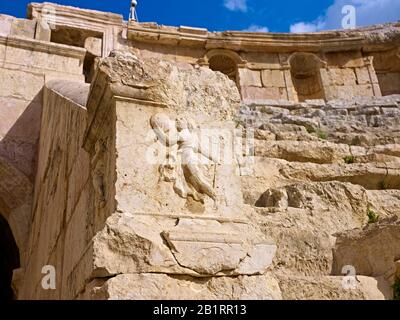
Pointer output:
x,y
9,260
306,76
224,64
387,68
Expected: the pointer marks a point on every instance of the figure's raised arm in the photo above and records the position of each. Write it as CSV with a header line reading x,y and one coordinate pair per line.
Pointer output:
x,y
165,129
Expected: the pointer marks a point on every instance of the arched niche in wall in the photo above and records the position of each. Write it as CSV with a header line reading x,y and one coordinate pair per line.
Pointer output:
x,y
305,69
387,68
225,61
9,260
16,203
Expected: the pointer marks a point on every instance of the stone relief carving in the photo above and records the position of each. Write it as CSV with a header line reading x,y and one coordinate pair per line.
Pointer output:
x,y
183,165
98,173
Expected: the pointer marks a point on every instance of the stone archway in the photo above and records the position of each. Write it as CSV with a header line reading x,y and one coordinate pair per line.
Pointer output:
x,y
387,67
225,61
306,76
9,260
16,192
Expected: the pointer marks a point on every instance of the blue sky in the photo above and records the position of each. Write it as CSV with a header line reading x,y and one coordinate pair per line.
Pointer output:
x,y
253,15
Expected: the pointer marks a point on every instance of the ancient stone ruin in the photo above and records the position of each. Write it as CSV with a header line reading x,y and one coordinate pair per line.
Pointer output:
x,y
141,161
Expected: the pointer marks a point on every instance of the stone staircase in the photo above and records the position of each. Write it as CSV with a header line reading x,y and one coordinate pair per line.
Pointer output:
x,y
320,169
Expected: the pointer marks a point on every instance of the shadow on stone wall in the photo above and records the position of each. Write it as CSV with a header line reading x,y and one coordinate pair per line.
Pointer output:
x,y
18,158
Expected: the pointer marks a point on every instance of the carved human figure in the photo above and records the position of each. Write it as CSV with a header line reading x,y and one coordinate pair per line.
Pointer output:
x,y
183,165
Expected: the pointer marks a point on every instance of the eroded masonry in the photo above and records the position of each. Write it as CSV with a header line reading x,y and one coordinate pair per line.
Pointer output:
x,y
152,162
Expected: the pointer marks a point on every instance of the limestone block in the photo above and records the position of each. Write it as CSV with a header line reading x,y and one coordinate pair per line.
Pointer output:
x,y
94,46
273,78
5,24
23,28
76,235
336,77
325,77
153,244
310,124
19,132
253,93
363,76
349,59
284,94
75,282
197,248
78,181
372,251
43,31
192,30
365,90
10,110
349,77
373,74
331,288
377,90
20,85
2,53
160,287
43,62
54,212
344,92
303,151
259,61
55,75
249,78
76,154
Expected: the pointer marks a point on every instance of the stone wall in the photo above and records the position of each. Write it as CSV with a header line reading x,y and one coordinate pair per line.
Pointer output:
x,y
60,231
80,195
264,77
26,64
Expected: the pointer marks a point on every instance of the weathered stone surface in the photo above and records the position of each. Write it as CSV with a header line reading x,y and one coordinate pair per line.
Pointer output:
x,y
254,93
94,46
331,288
20,85
5,24
163,287
23,28
273,78
188,248
250,78
313,161
372,251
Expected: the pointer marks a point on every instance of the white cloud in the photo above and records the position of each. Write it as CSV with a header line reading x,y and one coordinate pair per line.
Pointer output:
x,y
256,28
368,12
301,27
236,5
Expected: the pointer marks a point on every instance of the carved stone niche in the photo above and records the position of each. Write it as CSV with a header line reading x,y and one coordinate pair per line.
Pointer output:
x,y
178,206
305,70
225,61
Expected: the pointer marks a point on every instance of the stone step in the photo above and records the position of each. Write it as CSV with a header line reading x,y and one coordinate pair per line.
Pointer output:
x,y
325,152
269,173
334,288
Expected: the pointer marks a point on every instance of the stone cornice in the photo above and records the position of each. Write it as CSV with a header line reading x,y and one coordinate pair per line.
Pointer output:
x,y
119,77
368,39
67,12
44,46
